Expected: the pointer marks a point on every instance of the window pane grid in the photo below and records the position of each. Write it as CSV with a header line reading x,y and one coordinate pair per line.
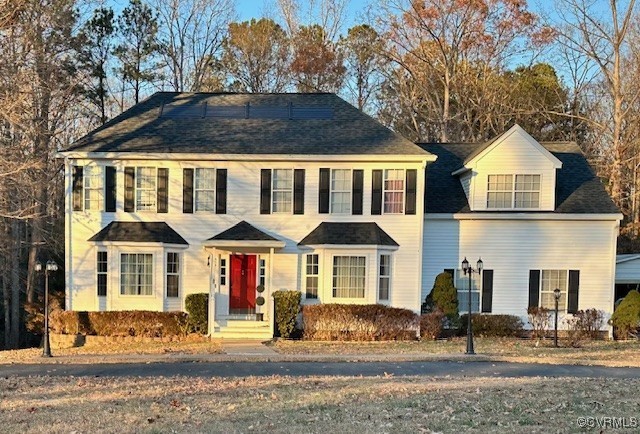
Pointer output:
x,y
136,274
262,272
312,276
223,271
394,191
102,273
349,276
550,280
93,188
146,188
513,191
341,191
385,277
173,274
462,285
282,191
204,189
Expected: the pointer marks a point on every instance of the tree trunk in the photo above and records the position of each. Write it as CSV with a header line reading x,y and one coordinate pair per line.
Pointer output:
x,y
6,304
14,268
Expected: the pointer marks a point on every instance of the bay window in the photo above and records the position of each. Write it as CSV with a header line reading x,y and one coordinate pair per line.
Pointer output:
x,y
136,274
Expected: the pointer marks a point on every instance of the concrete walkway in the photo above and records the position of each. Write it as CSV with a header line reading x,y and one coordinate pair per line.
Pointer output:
x,y
238,348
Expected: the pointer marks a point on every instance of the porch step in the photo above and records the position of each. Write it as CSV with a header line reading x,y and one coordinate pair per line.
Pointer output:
x,y
238,329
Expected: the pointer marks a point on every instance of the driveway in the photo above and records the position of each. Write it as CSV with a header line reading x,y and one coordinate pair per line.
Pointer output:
x,y
245,369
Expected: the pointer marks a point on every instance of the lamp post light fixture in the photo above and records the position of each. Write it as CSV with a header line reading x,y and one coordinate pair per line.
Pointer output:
x,y
49,267
468,270
556,296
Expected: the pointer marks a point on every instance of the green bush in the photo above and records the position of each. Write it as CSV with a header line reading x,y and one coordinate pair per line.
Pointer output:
x,y
287,306
491,325
197,306
431,325
358,322
626,318
584,325
119,323
444,296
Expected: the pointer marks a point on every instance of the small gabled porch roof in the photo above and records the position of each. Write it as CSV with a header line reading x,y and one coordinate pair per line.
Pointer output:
x,y
245,235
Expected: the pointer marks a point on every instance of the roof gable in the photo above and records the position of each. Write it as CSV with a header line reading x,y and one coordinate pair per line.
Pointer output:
x,y
139,232
242,231
515,134
348,234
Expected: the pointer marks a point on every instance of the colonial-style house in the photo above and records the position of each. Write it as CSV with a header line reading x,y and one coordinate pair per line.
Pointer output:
x,y
241,195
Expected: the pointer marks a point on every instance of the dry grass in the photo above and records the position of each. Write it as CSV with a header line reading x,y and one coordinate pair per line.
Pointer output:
x,y
607,353
316,404
33,355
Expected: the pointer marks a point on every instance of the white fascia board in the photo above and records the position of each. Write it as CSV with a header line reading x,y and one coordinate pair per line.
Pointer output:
x,y
138,244
521,216
350,247
245,244
171,156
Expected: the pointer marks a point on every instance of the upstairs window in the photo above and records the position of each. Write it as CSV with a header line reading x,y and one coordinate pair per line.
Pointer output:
x,y
146,193
513,191
93,188
341,191
205,190
393,191
282,191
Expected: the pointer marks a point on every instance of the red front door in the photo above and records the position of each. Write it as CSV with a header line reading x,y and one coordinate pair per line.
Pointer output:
x,y
243,284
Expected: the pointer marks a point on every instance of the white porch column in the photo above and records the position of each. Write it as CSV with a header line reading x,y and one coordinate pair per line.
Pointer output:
x,y
212,260
270,291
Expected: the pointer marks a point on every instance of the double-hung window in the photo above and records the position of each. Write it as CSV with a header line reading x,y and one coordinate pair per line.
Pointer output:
x,y
341,191
101,273
173,274
349,276
550,280
282,191
393,191
384,277
93,188
146,193
312,275
136,274
513,191
462,285
205,189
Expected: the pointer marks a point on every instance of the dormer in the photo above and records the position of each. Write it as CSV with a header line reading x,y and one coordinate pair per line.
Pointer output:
x,y
512,172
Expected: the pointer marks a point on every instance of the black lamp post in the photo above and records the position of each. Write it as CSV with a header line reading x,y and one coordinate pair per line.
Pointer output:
x,y
468,271
556,296
49,266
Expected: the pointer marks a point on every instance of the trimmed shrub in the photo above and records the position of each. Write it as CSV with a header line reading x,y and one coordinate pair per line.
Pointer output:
x,y
539,319
626,318
431,325
119,323
584,325
490,325
358,322
197,306
287,306
444,296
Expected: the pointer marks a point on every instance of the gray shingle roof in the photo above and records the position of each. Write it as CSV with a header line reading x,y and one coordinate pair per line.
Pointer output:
x,y
348,233
243,231
340,130
142,232
578,189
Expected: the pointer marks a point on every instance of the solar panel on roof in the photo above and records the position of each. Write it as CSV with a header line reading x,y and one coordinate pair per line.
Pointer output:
x,y
247,111
226,111
183,110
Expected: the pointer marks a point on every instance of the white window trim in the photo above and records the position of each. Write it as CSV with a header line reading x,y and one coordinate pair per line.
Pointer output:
x,y
366,277
135,189
476,288
318,276
513,193
349,191
86,190
196,190
153,274
388,277
223,271
404,191
564,291
167,274
283,190
262,271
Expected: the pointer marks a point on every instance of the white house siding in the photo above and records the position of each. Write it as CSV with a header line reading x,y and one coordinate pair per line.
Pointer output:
x,y
243,198
628,271
516,154
513,247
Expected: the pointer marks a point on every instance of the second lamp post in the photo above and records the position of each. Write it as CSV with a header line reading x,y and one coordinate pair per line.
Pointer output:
x,y
50,266
468,270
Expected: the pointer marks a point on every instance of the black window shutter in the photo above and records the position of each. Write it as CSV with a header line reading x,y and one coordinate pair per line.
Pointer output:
x,y
187,191
221,191
163,190
450,271
357,192
376,192
572,296
410,199
265,191
534,288
110,189
129,183
298,191
76,185
487,290
323,191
